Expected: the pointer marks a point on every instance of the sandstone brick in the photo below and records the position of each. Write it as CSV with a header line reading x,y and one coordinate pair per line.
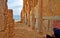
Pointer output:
x,y
10,23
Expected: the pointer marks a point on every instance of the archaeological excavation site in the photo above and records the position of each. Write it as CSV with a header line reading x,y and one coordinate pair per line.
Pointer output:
x,y
39,19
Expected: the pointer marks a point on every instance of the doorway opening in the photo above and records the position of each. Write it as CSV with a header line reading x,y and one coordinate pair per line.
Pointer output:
x,y
16,6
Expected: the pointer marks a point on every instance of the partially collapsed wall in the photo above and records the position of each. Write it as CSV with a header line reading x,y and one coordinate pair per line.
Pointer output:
x,y
41,13
6,20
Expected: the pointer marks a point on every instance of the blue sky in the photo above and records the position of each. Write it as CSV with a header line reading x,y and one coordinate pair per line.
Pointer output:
x,y
16,5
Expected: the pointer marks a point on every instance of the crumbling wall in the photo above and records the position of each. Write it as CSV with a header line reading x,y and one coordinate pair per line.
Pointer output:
x,y
10,23
6,20
41,13
2,15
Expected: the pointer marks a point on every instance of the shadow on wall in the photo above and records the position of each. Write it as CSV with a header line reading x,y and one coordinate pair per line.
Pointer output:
x,y
47,36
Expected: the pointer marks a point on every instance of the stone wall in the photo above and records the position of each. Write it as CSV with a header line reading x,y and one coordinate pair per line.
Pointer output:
x,y
1,15
50,10
40,14
10,24
23,12
6,20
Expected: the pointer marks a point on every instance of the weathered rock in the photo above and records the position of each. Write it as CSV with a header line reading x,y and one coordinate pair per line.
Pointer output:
x,y
10,23
2,15
6,20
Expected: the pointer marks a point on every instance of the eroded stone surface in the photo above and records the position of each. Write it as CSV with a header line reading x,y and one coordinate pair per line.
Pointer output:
x,y
32,15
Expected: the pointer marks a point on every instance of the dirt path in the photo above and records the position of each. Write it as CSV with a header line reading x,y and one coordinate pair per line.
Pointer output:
x,y
22,31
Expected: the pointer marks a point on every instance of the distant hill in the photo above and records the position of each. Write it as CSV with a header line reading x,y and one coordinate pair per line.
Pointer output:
x,y
16,17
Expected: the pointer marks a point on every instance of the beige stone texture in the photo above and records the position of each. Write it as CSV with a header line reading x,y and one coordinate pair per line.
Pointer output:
x,y
36,14
10,23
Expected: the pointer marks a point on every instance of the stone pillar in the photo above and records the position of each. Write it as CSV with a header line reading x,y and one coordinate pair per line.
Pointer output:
x,y
40,14
2,15
6,20
45,12
24,12
23,15
2,25
10,23
40,22
27,8
25,20
32,19
31,13
37,18
56,8
33,4
48,12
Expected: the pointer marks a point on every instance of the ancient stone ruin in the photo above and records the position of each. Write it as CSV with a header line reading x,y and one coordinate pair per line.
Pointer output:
x,y
37,15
